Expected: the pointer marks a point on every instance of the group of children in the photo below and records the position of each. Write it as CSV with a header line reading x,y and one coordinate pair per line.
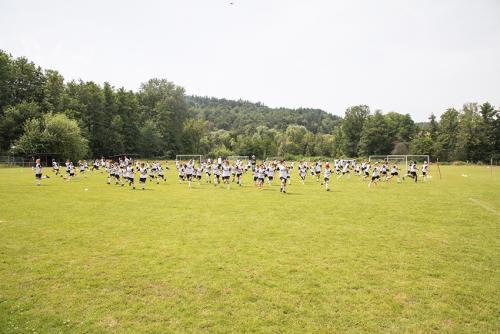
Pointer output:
x,y
219,171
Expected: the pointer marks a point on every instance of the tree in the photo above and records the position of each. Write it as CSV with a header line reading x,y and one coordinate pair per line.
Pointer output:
x,y
352,126
295,139
54,133
470,137
193,131
53,92
374,136
489,117
422,144
165,103
149,140
433,127
13,120
446,141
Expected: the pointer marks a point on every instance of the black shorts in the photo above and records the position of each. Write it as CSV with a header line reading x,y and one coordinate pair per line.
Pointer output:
x,y
72,174
261,179
225,178
395,173
131,179
255,178
347,172
142,180
424,173
160,176
414,174
189,176
181,177
282,178
270,178
38,176
384,173
238,175
375,178
366,173
217,176
327,179
198,177
117,176
96,167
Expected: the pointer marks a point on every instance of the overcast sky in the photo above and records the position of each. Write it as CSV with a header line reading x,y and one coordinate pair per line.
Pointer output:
x,y
414,57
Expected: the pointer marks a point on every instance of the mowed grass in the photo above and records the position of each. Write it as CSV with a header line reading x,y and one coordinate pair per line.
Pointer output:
x,y
413,258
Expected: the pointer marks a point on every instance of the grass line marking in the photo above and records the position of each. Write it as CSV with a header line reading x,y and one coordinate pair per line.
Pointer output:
x,y
484,206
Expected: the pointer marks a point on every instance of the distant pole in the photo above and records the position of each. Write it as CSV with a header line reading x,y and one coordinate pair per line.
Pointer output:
x,y
491,166
439,170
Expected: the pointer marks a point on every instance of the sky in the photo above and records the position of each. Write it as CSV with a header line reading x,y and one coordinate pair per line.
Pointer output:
x,y
417,57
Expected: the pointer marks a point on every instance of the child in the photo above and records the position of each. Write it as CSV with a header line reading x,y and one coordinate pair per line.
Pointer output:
x,y
38,171
394,172
216,172
375,176
226,173
161,174
424,171
327,174
130,176
143,175
283,176
55,167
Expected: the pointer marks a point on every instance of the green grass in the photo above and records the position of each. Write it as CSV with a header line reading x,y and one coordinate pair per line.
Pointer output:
x,y
414,258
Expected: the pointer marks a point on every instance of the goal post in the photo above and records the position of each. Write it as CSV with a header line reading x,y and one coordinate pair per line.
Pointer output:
x,y
187,157
238,157
399,160
418,158
377,158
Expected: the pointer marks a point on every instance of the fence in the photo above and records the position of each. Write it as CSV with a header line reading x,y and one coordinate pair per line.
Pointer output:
x,y
12,161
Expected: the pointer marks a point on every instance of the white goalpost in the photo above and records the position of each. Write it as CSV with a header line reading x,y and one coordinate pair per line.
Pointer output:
x,y
187,157
377,158
238,157
400,159
418,158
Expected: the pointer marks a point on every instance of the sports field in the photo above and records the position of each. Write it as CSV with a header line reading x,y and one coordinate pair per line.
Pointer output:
x,y
406,257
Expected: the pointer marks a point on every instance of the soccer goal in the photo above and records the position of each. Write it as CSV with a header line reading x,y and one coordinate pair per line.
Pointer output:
x,y
398,160
187,157
375,158
418,158
238,157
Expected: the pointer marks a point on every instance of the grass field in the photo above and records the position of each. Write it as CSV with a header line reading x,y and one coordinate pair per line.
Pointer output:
x,y
413,258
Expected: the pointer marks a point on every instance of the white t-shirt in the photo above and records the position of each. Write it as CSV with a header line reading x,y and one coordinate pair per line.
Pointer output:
x,y
283,171
327,173
225,170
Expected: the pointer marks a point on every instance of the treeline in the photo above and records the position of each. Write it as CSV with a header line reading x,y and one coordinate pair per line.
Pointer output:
x,y
40,112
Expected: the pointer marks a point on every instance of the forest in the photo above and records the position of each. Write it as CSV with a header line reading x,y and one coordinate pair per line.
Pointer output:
x,y
41,112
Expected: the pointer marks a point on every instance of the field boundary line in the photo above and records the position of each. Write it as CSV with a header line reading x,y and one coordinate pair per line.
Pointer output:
x,y
484,206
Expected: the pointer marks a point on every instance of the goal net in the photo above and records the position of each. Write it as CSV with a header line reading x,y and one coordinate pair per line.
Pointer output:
x,y
238,157
187,157
419,159
376,158
398,160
